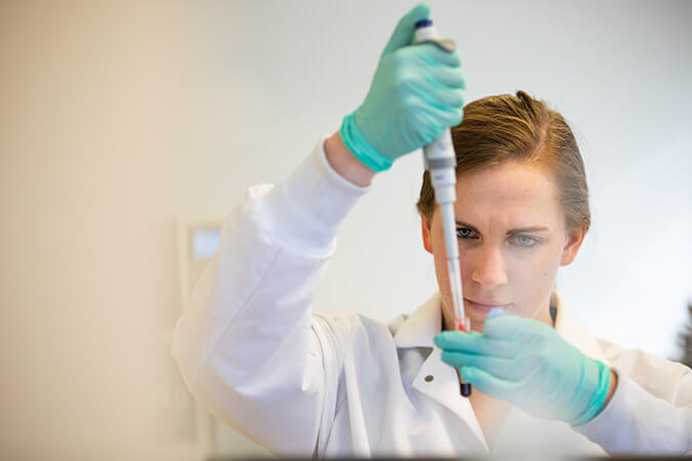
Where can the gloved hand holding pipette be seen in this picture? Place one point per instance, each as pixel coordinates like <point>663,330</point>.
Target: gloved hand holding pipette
<point>416,94</point>
<point>527,363</point>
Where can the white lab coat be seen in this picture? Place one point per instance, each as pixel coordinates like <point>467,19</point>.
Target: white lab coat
<point>252,350</point>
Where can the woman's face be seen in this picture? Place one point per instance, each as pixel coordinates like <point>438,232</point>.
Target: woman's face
<point>512,239</point>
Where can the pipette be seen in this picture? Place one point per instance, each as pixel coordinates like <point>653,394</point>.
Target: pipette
<point>440,160</point>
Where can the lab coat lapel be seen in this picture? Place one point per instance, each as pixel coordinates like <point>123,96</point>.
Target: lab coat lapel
<point>439,381</point>
<point>436,379</point>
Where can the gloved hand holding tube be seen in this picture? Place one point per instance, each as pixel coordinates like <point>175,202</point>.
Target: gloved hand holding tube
<point>527,363</point>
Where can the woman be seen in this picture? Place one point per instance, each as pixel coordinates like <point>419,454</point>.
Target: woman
<point>300,383</point>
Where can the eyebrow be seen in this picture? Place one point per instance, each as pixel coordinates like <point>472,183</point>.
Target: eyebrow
<point>509,232</point>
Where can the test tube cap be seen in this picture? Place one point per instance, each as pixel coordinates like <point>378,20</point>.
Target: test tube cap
<point>423,23</point>
<point>465,389</point>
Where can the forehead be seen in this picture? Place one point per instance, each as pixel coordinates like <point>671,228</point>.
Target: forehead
<point>514,193</point>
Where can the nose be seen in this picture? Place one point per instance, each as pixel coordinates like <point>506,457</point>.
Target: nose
<point>488,268</point>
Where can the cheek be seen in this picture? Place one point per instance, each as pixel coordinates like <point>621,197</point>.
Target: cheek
<point>439,252</point>
<point>440,258</point>
<point>533,277</point>
<point>440,267</point>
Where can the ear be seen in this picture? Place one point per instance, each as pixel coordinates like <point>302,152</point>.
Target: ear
<point>425,234</point>
<point>570,250</point>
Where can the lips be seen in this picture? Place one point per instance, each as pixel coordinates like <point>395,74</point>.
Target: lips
<point>484,307</point>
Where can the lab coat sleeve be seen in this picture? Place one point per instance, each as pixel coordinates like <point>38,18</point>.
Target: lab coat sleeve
<point>248,346</point>
<point>650,411</point>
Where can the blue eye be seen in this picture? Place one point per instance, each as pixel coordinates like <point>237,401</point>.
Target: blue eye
<point>466,233</point>
<point>524,241</point>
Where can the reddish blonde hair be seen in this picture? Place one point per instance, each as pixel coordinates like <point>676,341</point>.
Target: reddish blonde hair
<point>519,128</point>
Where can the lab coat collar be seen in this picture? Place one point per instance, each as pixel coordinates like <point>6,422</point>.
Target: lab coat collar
<point>573,332</point>
<point>425,323</point>
<point>419,328</point>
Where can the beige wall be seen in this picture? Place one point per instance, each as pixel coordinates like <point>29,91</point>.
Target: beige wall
<point>94,113</point>
<point>117,120</point>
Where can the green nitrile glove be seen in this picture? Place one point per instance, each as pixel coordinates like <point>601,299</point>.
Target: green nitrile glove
<point>416,93</point>
<point>528,364</point>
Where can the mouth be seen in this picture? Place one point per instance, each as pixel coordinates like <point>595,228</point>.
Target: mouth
<point>484,308</point>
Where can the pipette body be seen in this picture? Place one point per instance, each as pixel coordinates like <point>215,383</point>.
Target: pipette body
<point>440,160</point>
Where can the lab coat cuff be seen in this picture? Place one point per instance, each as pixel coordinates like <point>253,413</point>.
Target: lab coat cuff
<point>628,422</point>
<point>600,428</point>
<point>306,209</point>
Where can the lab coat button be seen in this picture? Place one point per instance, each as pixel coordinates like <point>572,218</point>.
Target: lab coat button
<point>429,378</point>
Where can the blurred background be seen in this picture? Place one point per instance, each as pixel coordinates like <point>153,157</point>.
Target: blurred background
<point>128,130</point>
